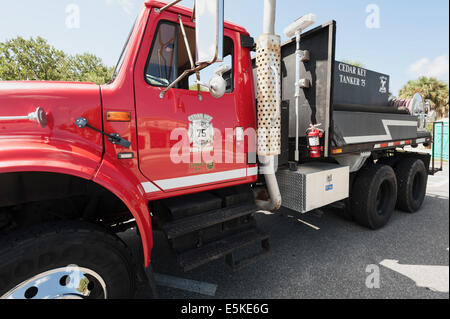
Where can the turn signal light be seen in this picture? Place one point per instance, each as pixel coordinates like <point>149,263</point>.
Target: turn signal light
<point>118,116</point>
<point>337,151</point>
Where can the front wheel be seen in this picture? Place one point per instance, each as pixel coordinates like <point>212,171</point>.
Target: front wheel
<point>374,196</point>
<point>70,260</point>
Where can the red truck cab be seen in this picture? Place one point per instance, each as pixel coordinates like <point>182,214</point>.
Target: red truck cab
<point>62,154</point>
<point>143,76</point>
<point>155,120</point>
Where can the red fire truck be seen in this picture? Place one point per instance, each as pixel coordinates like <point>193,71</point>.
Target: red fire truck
<point>163,148</point>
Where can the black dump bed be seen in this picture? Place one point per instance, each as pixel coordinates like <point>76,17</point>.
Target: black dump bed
<point>350,102</point>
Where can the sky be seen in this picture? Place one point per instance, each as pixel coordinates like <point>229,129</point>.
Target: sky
<point>405,39</point>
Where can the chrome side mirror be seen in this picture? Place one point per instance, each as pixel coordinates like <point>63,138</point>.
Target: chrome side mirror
<point>217,84</point>
<point>209,20</point>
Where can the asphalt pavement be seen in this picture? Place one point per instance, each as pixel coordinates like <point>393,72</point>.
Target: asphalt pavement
<point>323,255</point>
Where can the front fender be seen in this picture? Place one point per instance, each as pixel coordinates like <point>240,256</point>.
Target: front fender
<point>63,158</point>
<point>126,186</point>
<point>31,155</point>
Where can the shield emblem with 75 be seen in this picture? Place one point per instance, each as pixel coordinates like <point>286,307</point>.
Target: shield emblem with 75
<point>201,133</point>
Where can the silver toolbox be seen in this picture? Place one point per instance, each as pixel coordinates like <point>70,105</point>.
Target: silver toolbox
<point>314,185</point>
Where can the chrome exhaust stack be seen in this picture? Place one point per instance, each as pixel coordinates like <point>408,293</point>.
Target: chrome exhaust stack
<point>268,62</point>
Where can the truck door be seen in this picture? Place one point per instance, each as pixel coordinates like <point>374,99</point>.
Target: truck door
<point>163,123</point>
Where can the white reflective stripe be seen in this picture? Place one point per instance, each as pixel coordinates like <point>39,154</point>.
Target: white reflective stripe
<point>377,146</point>
<point>180,182</point>
<point>376,138</point>
<point>252,171</point>
<point>150,188</point>
<point>195,180</point>
<point>367,139</point>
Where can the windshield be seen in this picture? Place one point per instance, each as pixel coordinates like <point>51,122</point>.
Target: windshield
<point>122,54</point>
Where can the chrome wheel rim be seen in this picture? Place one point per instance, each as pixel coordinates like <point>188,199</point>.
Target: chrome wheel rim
<point>71,282</point>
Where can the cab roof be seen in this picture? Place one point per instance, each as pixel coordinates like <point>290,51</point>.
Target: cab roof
<point>188,12</point>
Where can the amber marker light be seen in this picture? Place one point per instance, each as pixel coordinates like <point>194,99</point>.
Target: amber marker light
<point>118,116</point>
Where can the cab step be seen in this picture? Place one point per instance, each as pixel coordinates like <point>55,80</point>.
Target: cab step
<point>203,227</point>
<point>191,224</point>
<point>226,247</point>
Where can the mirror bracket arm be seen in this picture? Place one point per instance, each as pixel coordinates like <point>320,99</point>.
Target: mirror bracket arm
<point>182,76</point>
<point>199,93</point>
<point>188,49</point>
<point>193,13</point>
<point>186,42</point>
<point>167,6</point>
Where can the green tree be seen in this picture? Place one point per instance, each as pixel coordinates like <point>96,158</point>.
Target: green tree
<point>431,89</point>
<point>88,68</point>
<point>32,59</point>
<point>354,63</point>
<point>35,59</point>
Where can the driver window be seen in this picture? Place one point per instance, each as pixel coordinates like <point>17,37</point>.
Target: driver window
<point>168,58</point>
<point>160,70</point>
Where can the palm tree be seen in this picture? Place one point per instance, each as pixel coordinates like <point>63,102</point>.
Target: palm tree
<point>431,89</point>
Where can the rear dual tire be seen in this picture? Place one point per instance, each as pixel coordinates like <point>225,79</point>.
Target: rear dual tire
<point>412,178</point>
<point>374,196</point>
<point>379,189</point>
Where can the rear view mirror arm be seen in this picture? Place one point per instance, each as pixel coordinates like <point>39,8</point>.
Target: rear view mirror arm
<point>168,6</point>
<point>186,42</point>
<point>182,76</point>
<point>188,48</point>
<point>193,69</point>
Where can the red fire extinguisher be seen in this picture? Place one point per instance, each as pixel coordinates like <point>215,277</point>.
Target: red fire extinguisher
<point>314,135</point>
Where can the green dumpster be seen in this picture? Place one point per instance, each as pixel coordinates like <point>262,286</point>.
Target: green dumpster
<point>441,139</point>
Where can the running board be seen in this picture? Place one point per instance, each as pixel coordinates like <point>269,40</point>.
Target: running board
<point>191,224</point>
<point>226,247</point>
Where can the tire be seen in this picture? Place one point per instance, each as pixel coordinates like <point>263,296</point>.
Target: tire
<point>412,178</point>
<point>374,196</point>
<point>103,263</point>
